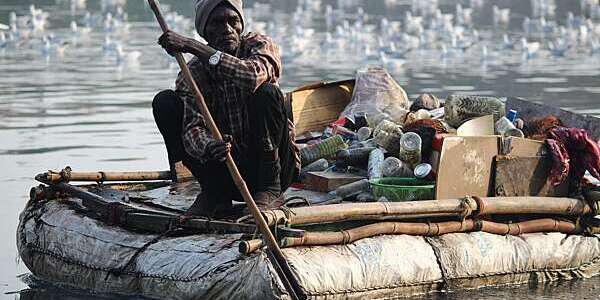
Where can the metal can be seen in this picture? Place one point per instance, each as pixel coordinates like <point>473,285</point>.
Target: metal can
<point>424,171</point>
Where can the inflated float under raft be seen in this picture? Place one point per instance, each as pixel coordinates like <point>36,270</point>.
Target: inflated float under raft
<point>62,241</point>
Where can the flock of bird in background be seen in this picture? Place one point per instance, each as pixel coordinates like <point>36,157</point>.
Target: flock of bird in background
<point>375,39</point>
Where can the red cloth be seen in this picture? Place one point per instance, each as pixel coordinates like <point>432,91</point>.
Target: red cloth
<point>572,151</point>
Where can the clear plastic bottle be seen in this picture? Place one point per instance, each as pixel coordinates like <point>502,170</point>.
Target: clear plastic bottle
<point>318,165</point>
<point>325,148</point>
<point>357,157</point>
<point>503,125</point>
<point>460,108</point>
<point>387,134</point>
<point>410,149</point>
<point>422,114</point>
<point>352,189</point>
<point>394,167</point>
<point>514,132</point>
<point>375,166</point>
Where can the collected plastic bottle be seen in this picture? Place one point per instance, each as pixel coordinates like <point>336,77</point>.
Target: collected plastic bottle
<point>503,125</point>
<point>363,133</point>
<point>366,197</point>
<point>375,165</point>
<point>394,167</point>
<point>367,143</point>
<point>410,149</point>
<point>422,114</point>
<point>387,134</point>
<point>316,166</point>
<point>325,148</point>
<point>346,133</point>
<point>352,189</point>
<point>459,108</point>
<point>516,132</point>
<point>357,157</point>
<point>437,113</point>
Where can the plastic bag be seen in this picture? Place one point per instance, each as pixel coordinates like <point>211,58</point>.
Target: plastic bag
<point>378,95</point>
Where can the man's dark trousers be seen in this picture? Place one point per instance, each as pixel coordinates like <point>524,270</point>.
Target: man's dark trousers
<point>268,122</point>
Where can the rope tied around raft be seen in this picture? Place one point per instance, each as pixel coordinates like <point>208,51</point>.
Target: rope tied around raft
<point>477,225</point>
<point>480,205</point>
<point>346,237</point>
<point>53,177</point>
<point>65,174</point>
<point>429,231</point>
<point>288,212</point>
<point>102,177</point>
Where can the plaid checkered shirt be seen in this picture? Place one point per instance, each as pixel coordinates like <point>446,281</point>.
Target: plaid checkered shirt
<point>226,88</point>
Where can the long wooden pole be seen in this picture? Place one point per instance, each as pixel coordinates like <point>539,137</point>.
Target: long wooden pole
<point>428,208</point>
<point>430,229</point>
<point>323,238</point>
<point>101,176</point>
<point>280,261</point>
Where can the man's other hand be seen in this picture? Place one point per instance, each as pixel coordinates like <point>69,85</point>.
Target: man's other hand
<point>218,150</point>
<point>174,43</point>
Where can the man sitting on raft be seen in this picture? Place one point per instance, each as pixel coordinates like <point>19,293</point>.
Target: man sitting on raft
<point>238,76</point>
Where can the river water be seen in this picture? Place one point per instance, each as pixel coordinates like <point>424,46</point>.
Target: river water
<point>76,101</point>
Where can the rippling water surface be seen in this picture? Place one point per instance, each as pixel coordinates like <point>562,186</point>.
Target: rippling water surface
<point>88,107</point>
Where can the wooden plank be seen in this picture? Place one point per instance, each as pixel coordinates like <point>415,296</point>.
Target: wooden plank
<point>529,110</point>
<point>312,116</point>
<point>465,167</point>
<point>524,147</point>
<point>319,104</point>
<point>328,181</point>
<point>525,176</point>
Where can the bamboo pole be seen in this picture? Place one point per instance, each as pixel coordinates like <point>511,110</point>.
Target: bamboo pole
<point>430,229</point>
<point>247,247</point>
<point>370,211</point>
<point>66,175</point>
<point>459,208</point>
<point>324,238</point>
<point>279,262</point>
<point>533,205</point>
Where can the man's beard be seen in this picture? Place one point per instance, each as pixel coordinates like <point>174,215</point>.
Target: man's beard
<point>228,47</point>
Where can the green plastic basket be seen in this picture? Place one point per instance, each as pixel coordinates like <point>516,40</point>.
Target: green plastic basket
<point>402,189</point>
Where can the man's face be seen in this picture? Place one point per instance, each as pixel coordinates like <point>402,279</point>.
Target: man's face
<point>223,29</point>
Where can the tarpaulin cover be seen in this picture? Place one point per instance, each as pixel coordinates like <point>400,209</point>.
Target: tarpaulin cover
<point>60,245</point>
